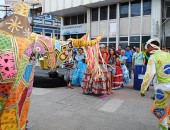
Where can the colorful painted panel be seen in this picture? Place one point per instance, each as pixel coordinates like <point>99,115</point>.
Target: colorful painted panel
<point>8,69</point>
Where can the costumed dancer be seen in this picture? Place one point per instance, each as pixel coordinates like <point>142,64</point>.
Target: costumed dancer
<point>16,68</point>
<point>96,76</point>
<point>159,65</point>
<point>81,66</point>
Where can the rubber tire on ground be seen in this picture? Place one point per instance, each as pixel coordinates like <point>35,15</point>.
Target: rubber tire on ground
<point>47,82</point>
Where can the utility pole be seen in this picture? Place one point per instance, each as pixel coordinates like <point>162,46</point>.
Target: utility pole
<point>6,9</point>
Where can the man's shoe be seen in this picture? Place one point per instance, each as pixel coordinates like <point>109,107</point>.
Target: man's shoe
<point>153,98</point>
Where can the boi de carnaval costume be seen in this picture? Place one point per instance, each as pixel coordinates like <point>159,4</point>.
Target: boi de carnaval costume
<point>17,72</point>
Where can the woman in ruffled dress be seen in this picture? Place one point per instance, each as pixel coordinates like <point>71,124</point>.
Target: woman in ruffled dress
<point>81,67</point>
<point>125,71</point>
<point>117,80</point>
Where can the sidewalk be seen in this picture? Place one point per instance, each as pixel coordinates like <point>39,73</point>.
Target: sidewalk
<point>66,109</point>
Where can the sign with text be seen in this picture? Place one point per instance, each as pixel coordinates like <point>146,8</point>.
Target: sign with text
<point>74,29</point>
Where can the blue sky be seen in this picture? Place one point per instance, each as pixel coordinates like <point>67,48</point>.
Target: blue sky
<point>2,13</point>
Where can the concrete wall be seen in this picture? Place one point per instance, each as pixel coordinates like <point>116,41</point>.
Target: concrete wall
<point>124,23</point>
<point>167,28</point>
<point>146,27</point>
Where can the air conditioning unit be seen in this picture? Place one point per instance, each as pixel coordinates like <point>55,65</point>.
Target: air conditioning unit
<point>168,12</point>
<point>168,42</point>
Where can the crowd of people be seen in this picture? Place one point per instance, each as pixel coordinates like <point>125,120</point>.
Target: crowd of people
<point>116,68</point>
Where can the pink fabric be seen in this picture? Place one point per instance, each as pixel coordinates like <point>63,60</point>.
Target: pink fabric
<point>7,66</point>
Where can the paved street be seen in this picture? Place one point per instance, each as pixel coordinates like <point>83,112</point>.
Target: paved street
<point>66,109</point>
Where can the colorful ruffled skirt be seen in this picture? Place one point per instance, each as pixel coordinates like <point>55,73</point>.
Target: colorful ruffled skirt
<point>78,74</point>
<point>91,84</point>
<point>118,79</point>
<point>125,72</point>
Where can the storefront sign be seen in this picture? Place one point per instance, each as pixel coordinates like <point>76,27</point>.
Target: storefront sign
<point>74,29</point>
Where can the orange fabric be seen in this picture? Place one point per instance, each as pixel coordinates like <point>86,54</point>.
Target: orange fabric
<point>22,46</point>
<point>24,113</point>
<point>167,110</point>
<point>8,120</point>
<point>15,95</point>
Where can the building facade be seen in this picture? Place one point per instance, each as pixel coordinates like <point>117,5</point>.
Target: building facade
<point>47,25</point>
<point>125,22</point>
<point>41,23</point>
<point>166,23</point>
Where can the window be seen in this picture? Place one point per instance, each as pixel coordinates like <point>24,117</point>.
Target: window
<point>112,12</point>
<point>146,7</point>
<point>73,20</point>
<point>67,21</point>
<point>124,10</point>
<point>80,35</point>
<point>81,19</point>
<point>48,34</point>
<point>74,36</point>
<point>133,45</point>
<point>123,42</point>
<point>67,37</point>
<point>112,42</point>
<point>135,8</point>
<point>123,38</point>
<point>167,42</point>
<point>112,39</point>
<point>85,18</point>
<point>168,12</point>
<point>134,41</point>
<point>104,41</point>
<point>57,36</point>
<point>103,13</point>
<point>144,40</point>
<point>95,14</point>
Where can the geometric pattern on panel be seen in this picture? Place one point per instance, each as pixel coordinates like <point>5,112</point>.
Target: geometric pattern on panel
<point>8,69</point>
<point>5,42</point>
<point>27,73</point>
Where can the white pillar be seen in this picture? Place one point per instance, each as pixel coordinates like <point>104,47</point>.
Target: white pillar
<point>129,24</point>
<point>108,24</point>
<point>89,22</point>
<point>156,21</point>
<point>62,23</point>
<point>118,25</point>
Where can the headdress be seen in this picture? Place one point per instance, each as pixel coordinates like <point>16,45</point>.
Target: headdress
<point>21,8</point>
<point>149,42</point>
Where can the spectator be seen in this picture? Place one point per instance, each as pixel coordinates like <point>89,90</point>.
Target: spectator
<point>119,50</point>
<point>125,71</point>
<point>111,69</point>
<point>129,55</point>
<point>138,58</point>
<point>117,80</point>
<point>147,55</point>
<point>68,65</point>
<point>81,66</point>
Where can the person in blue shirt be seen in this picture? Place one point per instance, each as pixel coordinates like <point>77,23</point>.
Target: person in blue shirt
<point>129,54</point>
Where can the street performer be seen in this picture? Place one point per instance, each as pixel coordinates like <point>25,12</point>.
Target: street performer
<point>159,65</point>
